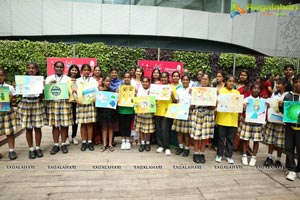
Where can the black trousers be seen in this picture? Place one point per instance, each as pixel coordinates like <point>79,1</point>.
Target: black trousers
<point>225,133</point>
<point>163,126</point>
<point>125,124</point>
<point>74,126</point>
<point>292,141</point>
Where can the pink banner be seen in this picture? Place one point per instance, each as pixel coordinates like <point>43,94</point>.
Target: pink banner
<point>68,62</point>
<point>150,65</point>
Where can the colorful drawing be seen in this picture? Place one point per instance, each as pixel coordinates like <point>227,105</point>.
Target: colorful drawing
<point>87,92</point>
<point>56,91</point>
<point>291,112</point>
<point>256,111</point>
<point>4,99</point>
<point>29,84</point>
<point>178,111</point>
<point>230,103</point>
<point>274,115</point>
<point>126,95</point>
<point>73,91</point>
<point>144,104</point>
<point>204,96</point>
<point>107,99</point>
<point>161,92</point>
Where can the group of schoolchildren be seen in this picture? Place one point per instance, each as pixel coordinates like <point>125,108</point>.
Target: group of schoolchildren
<point>204,122</point>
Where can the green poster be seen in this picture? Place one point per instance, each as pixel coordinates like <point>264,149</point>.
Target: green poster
<point>56,91</point>
<point>291,112</point>
<point>145,104</point>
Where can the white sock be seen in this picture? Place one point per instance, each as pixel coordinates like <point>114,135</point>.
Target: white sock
<point>244,155</point>
<point>181,146</point>
<point>147,142</point>
<point>269,155</point>
<point>197,153</point>
<point>37,148</point>
<point>127,141</point>
<point>56,144</point>
<point>187,148</point>
<point>31,149</point>
<point>89,141</point>
<point>143,142</point>
<point>62,144</point>
<point>123,140</point>
<point>202,153</point>
<point>254,157</point>
<point>83,141</point>
<point>278,158</point>
<point>10,150</point>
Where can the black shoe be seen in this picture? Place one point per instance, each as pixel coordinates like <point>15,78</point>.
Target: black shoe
<point>91,146</point>
<point>64,149</point>
<point>142,148</point>
<point>268,162</point>
<point>39,153</point>
<point>12,155</point>
<point>179,151</point>
<point>196,158</point>
<point>54,150</point>
<point>32,154</point>
<point>277,164</point>
<point>83,146</point>
<point>148,147</point>
<point>1,156</point>
<point>202,158</point>
<point>186,153</point>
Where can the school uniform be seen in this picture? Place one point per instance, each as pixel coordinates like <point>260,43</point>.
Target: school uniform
<point>106,115</point>
<point>203,122</point>
<point>59,112</point>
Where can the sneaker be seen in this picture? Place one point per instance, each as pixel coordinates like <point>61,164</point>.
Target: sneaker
<point>245,160</point>
<point>268,162</point>
<point>291,176</point>
<point>64,149</point>
<point>127,146</point>
<point>196,158</point>
<point>75,141</point>
<point>91,146</point>
<point>32,154</point>
<point>230,160</point>
<point>168,152</point>
<point>148,147</point>
<point>252,162</point>
<point>218,159</point>
<point>179,151</point>
<point>54,150</point>
<point>186,153</point>
<point>39,153</point>
<point>67,142</point>
<point>123,145</point>
<point>159,150</point>
<point>83,146</point>
<point>277,164</point>
<point>142,148</point>
<point>202,158</point>
<point>12,155</point>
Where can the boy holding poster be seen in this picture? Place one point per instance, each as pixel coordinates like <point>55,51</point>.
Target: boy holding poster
<point>59,112</point>
<point>227,123</point>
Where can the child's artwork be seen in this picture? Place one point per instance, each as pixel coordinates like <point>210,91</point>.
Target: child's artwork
<point>106,99</point>
<point>274,115</point>
<point>4,99</point>
<point>83,92</point>
<point>161,92</point>
<point>29,84</point>
<point>178,111</point>
<point>56,91</point>
<point>256,111</point>
<point>230,103</point>
<point>126,95</point>
<point>145,104</point>
<point>291,111</point>
<point>204,96</point>
<point>73,88</point>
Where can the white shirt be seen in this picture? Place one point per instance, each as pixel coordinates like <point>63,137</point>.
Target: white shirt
<point>183,95</point>
<point>11,88</point>
<point>88,80</point>
<point>61,79</point>
<point>142,92</point>
<point>136,85</point>
<point>246,100</point>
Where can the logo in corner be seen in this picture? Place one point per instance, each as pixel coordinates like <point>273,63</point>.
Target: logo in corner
<point>236,9</point>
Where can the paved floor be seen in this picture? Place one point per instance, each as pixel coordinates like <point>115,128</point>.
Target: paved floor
<point>134,175</point>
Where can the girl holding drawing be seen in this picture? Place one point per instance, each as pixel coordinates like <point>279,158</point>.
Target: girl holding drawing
<point>8,119</point>
<point>251,131</point>
<point>183,127</point>
<point>106,117</point>
<point>275,132</point>
<point>163,124</point>
<point>86,113</point>
<point>31,115</point>
<point>73,73</point>
<point>144,122</point>
<point>126,115</point>
<point>227,123</point>
<point>59,112</point>
<point>202,126</point>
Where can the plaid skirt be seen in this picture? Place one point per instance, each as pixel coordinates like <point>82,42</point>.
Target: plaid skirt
<point>144,123</point>
<point>85,113</point>
<point>182,126</point>
<point>203,123</point>
<point>59,113</point>
<point>31,114</point>
<point>251,131</point>
<point>7,123</point>
<point>275,134</point>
